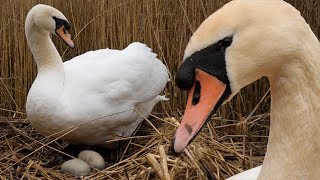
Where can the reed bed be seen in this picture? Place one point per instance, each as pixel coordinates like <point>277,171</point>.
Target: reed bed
<point>234,140</point>
<point>165,26</point>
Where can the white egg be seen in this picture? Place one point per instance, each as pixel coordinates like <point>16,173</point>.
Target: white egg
<point>76,167</point>
<point>92,158</point>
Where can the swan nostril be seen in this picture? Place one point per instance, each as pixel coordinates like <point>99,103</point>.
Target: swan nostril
<point>196,93</point>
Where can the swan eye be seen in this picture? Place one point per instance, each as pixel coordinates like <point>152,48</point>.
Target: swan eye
<point>224,43</point>
<point>61,22</point>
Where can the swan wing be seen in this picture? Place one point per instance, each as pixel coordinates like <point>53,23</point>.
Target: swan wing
<point>133,74</point>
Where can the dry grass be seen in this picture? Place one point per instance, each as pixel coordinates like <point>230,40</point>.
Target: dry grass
<point>226,145</point>
<point>165,26</point>
<point>213,154</point>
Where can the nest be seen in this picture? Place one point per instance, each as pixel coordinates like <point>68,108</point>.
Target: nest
<point>214,154</point>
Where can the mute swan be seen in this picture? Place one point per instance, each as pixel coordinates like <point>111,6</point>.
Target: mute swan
<point>239,44</point>
<point>90,86</point>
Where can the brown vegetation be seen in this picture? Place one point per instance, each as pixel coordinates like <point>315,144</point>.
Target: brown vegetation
<point>225,147</point>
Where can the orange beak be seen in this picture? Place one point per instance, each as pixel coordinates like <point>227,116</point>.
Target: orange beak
<point>65,36</point>
<point>202,99</point>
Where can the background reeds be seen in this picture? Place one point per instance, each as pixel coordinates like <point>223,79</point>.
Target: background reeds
<point>238,139</point>
<point>165,26</point>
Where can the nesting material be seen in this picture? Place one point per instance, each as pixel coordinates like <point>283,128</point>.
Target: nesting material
<point>220,150</point>
<point>155,165</point>
<point>93,158</point>
<point>163,162</point>
<point>76,167</point>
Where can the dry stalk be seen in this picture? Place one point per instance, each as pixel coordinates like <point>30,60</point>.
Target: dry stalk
<point>181,163</point>
<point>163,162</point>
<point>155,165</point>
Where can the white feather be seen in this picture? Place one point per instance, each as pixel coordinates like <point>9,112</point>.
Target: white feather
<point>104,85</point>
<point>251,174</point>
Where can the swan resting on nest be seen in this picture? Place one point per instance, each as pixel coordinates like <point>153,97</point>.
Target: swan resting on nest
<point>97,92</point>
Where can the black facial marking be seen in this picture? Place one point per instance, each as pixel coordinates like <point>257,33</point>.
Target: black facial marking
<point>61,22</point>
<point>185,75</point>
<point>210,60</point>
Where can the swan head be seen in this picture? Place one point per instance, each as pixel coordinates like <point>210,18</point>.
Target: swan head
<point>238,44</point>
<point>51,20</point>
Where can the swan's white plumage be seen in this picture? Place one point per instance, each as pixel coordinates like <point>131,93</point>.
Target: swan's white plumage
<point>251,174</point>
<point>91,86</point>
<point>272,39</point>
<point>131,75</point>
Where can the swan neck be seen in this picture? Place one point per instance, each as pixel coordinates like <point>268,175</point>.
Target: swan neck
<point>293,147</point>
<point>44,52</point>
<point>49,84</point>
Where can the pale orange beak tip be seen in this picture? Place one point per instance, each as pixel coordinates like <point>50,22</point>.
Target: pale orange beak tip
<point>179,144</point>
<point>65,36</point>
<point>195,116</point>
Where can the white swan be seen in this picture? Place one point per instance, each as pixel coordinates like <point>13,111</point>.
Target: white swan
<point>90,86</point>
<point>239,44</point>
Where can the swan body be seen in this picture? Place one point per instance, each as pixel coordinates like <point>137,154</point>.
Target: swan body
<point>105,85</point>
<point>251,174</point>
<point>240,43</point>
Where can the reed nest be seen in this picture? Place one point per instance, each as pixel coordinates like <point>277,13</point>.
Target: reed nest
<point>219,151</point>
<point>224,147</point>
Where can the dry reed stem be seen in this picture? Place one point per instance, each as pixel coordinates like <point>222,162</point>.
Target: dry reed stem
<point>256,107</point>
<point>176,161</point>
<point>72,128</point>
<point>173,171</point>
<point>166,27</point>
<point>155,165</point>
<point>42,146</point>
<point>163,162</point>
